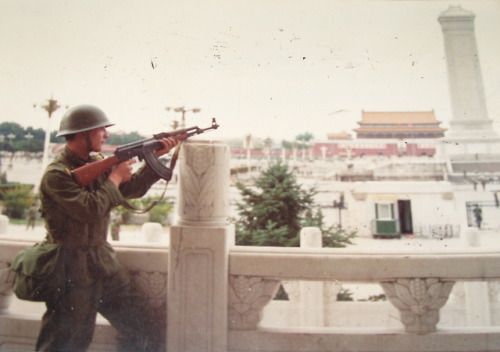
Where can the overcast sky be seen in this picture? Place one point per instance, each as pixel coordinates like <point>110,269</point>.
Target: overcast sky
<point>270,68</point>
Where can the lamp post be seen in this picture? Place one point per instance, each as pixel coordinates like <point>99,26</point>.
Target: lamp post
<point>248,142</point>
<point>340,205</point>
<point>183,111</point>
<point>51,106</point>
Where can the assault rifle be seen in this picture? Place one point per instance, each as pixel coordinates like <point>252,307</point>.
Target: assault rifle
<point>143,149</point>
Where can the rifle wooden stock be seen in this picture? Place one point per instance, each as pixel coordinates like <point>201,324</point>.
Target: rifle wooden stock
<point>144,149</point>
<point>89,172</point>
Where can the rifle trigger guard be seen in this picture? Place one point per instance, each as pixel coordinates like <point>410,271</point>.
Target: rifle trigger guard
<point>155,164</point>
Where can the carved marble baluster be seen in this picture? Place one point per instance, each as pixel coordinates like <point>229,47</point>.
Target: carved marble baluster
<point>204,183</point>
<point>248,295</point>
<point>292,289</point>
<point>419,301</point>
<point>154,286</point>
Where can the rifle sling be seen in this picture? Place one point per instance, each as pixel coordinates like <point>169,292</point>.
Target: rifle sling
<point>173,161</point>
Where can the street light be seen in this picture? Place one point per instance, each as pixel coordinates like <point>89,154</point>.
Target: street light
<point>340,205</point>
<point>183,111</point>
<point>51,106</point>
<point>248,143</point>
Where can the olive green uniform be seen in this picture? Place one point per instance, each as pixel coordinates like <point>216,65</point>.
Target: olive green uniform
<point>96,282</point>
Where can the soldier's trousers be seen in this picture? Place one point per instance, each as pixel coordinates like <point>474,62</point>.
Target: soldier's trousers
<point>68,324</point>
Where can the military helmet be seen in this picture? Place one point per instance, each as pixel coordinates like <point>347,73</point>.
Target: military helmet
<point>82,118</point>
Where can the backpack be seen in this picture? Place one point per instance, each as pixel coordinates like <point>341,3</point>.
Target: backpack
<point>39,277</point>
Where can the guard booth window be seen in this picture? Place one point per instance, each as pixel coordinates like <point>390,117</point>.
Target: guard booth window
<point>385,225</point>
<point>384,211</point>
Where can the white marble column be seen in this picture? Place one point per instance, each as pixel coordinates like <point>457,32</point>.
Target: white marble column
<point>199,246</point>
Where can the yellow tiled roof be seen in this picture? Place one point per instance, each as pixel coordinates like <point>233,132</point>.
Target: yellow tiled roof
<point>398,117</point>
<point>400,129</point>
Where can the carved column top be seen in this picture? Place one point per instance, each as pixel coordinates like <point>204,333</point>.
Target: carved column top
<point>204,183</point>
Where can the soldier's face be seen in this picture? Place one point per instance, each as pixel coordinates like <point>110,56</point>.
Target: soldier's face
<point>97,138</point>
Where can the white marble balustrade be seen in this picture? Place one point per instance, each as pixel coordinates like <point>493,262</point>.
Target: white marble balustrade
<point>216,291</point>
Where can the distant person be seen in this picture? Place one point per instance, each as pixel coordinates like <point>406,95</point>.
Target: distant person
<point>115,228</point>
<point>31,217</point>
<point>77,219</point>
<point>478,215</point>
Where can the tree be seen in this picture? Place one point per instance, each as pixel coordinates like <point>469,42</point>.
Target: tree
<point>11,127</point>
<point>36,140</point>
<point>333,236</point>
<point>21,142</point>
<point>8,129</point>
<point>16,198</point>
<point>287,145</point>
<point>304,137</point>
<point>159,213</point>
<point>271,213</point>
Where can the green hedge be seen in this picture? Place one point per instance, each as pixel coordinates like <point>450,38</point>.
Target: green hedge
<point>16,198</point>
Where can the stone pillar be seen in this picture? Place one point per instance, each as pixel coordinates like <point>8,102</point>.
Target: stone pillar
<point>4,223</point>
<point>311,292</point>
<point>199,246</point>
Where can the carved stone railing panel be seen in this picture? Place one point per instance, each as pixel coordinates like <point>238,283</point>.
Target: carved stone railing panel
<point>248,295</point>
<point>419,301</point>
<point>6,281</point>
<point>457,295</point>
<point>292,289</point>
<point>331,290</point>
<point>154,286</point>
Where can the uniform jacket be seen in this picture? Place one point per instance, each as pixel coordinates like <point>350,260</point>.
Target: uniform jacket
<point>77,218</point>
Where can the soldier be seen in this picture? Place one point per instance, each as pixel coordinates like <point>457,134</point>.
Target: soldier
<point>31,217</point>
<point>115,227</point>
<point>77,219</point>
<point>478,215</point>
